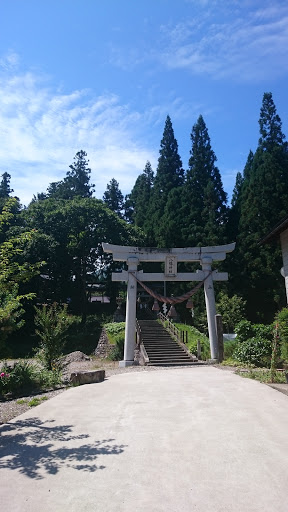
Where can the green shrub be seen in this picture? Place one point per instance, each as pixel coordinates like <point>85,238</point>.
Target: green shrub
<point>254,343</point>
<point>4,380</point>
<point>46,379</point>
<point>117,352</point>
<point>254,351</point>
<point>282,321</point>
<point>229,348</point>
<point>53,323</point>
<point>114,329</point>
<point>21,377</point>
<point>25,377</point>
<point>244,331</point>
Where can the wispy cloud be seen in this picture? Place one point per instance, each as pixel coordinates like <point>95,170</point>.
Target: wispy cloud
<point>41,129</point>
<point>246,45</point>
<point>9,61</point>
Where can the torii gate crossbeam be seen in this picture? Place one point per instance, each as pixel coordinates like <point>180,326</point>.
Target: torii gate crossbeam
<point>134,255</point>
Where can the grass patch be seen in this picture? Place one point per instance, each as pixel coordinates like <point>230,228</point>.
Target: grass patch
<point>263,375</point>
<point>33,402</point>
<point>37,401</point>
<point>233,362</point>
<point>193,336</point>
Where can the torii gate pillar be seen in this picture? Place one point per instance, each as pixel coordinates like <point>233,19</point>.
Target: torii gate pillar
<point>130,328</point>
<point>210,306</point>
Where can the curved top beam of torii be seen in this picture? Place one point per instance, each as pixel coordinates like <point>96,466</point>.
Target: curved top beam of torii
<point>123,252</point>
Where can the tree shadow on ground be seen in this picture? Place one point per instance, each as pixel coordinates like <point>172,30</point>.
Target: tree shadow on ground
<point>31,447</point>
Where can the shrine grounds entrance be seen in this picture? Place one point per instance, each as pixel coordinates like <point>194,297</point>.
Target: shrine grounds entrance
<point>135,255</point>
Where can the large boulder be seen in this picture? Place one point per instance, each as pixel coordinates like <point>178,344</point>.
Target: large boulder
<point>88,377</point>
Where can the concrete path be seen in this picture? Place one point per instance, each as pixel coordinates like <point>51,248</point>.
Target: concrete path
<point>195,439</point>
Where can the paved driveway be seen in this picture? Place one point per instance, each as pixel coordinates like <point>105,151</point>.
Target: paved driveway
<point>191,439</point>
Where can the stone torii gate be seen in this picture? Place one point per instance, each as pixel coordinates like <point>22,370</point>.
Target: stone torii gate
<point>134,255</point>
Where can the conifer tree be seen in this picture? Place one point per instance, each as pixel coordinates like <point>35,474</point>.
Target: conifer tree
<point>77,180</point>
<point>204,197</point>
<point>169,176</point>
<point>5,190</point>
<point>113,197</point>
<point>248,166</point>
<point>137,202</point>
<point>234,212</point>
<point>264,201</point>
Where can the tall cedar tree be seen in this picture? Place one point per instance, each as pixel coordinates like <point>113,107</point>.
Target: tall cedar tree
<point>77,180</point>
<point>204,197</point>
<point>5,190</point>
<point>137,203</point>
<point>263,203</point>
<point>169,176</point>
<point>113,197</point>
<point>235,211</point>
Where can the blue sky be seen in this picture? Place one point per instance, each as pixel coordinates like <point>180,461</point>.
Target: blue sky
<point>103,75</point>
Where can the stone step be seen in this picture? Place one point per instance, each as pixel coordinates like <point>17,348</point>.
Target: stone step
<point>168,351</point>
<point>161,348</point>
<point>181,363</point>
<point>164,350</point>
<point>161,344</point>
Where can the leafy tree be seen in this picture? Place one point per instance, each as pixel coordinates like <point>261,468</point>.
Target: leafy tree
<point>14,270</point>
<point>204,198</point>
<point>77,180</point>
<point>232,310</point>
<point>113,197</point>
<point>75,230</point>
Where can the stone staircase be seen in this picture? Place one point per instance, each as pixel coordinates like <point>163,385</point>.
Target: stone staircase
<point>161,348</point>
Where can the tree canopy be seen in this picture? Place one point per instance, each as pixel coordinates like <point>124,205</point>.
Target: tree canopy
<point>77,180</point>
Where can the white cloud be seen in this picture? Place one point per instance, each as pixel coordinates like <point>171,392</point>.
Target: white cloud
<point>247,44</point>
<point>41,130</point>
<point>9,61</point>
